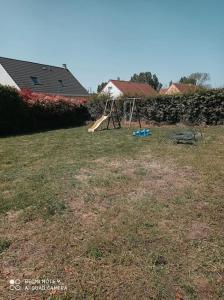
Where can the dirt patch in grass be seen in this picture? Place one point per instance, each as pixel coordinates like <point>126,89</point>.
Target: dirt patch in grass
<point>198,231</point>
<point>116,183</point>
<point>83,175</point>
<point>162,179</point>
<point>203,286</point>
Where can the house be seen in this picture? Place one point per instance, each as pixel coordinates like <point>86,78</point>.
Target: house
<point>163,91</point>
<point>179,88</point>
<point>118,88</point>
<point>39,78</point>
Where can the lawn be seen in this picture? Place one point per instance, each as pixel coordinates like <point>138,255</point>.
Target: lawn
<point>112,216</point>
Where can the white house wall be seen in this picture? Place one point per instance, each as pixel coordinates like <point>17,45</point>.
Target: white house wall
<point>111,89</point>
<point>6,79</point>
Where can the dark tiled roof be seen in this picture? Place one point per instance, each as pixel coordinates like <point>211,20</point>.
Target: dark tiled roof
<point>134,88</point>
<point>49,77</point>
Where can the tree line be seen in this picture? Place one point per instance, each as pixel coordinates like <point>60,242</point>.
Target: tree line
<point>197,78</point>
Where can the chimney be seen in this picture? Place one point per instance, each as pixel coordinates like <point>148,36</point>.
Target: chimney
<point>64,66</point>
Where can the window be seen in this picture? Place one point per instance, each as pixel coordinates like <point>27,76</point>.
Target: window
<point>61,82</point>
<point>35,80</point>
<point>110,90</point>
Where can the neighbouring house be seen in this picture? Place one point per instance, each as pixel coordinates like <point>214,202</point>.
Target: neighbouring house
<point>178,88</point>
<point>118,88</point>
<point>40,78</point>
<point>163,91</point>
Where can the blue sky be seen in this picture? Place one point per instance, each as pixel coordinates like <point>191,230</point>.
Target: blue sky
<point>104,39</point>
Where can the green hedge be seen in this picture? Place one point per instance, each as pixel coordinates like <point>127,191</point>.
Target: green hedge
<point>23,112</point>
<point>26,111</point>
<point>13,111</point>
<point>204,107</point>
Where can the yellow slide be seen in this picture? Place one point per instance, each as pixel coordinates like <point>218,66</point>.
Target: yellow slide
<point>97,123</point>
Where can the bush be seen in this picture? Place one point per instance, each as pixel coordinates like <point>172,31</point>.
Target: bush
<point>13,112</point>
<point>27,111</point>
<point>49,111</point>
<point>201,107</point>
<point>96,105</point>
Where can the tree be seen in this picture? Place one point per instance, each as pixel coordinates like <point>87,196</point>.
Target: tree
<point>170,83</point>
<point>200,78</point>
<point>101,86</point>
<point>187,80</point>
<point>197,78</point>
<point>147,77</point>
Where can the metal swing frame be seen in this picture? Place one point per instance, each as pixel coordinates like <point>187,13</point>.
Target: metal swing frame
<point>132,102</point>
<point>111,110</point>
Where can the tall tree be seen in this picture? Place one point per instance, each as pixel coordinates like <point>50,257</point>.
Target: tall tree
<point>187,80</point>
<point>197,78</point>
<point>200,78</point>
<point>147,77</point>
<point>101,86</point>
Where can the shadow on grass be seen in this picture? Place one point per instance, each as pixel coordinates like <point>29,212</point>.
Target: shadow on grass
<point>39,130</point>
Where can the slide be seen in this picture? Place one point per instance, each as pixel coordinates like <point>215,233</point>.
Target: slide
<point>97,123</point>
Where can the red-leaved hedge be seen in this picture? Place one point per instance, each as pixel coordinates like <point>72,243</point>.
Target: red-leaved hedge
<point>46,100</point>
<point>27,111</point>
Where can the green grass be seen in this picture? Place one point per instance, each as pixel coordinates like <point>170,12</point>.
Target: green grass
<point>114,216</point>
<point>4,245</point>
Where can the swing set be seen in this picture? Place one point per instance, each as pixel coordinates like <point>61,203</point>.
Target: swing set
<point>111,114</point>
